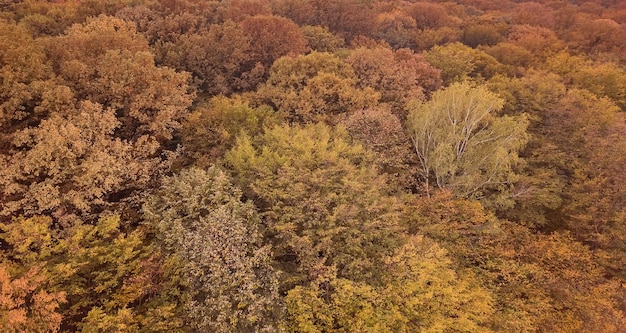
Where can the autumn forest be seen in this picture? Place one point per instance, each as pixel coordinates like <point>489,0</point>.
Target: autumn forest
<point>313,166</point>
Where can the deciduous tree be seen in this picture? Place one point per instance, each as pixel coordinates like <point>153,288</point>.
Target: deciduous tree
<point>199,217</point>
<point>381,131</point>
<point>398,76</point>
<point>460,142</point>
<point>323,203</point>
<point>422,293</point>
<point>315,87</point>
<point>459,62</point>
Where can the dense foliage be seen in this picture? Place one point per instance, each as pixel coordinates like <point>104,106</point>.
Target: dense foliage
<point>312,166</point>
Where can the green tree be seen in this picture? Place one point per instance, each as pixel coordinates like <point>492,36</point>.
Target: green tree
<point>321,200</point>
<point>231,285</point>
<point>460,142</point>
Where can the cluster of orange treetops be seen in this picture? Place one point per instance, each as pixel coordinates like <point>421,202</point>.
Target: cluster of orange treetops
<point>312,166</point>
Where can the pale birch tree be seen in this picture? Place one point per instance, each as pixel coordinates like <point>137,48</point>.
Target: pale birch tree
<point>461,142</point>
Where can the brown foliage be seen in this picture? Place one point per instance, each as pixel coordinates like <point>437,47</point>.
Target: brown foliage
<point>381,131</point>
<point>272,37</point>
<point>399,75</point>
<point>430,15</point>
<point>214,56</point>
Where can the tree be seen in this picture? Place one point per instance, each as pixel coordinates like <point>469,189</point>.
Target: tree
<point>212,128</point>
<point>533,13</point>
<point>461,144</point>
<point>539,193</point>
<point>215,56</point>
<point>539,282</point>
<point>97,135</point>
<point>85,268</point>
<point>315,87</point>
<point>25,304</point>
<point>430,15</point>
<point>271,37</point>
<point>323,203</point>
<point>541,42</point>
<point>459,62</point>
<point>238,10</point>
<point>106,61</point>
<point>512,55</point>
<point>421,294</point>
<point>481,34</point>
<point>429,38</point>
<point>396,28</point>
<point>602,78</point>
<point>398,76</point>
<point>320,39</point>
<point>588,132</point>
<point>73,165</point>
<point>231,285</point>
<point>347,18</point>
<point>381,131</point>
<point>598,36</point>
<point>25,77</point>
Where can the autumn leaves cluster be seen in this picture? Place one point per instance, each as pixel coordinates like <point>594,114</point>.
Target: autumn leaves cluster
<point>312,166</point>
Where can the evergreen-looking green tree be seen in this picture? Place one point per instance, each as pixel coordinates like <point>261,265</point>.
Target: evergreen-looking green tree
<point>462,144</point>
<point>422,293</point>
<point>323,203</point>
<point>314,87</point>
<point>231,285</point>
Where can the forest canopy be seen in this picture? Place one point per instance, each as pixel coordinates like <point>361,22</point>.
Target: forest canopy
<point>312,166</point>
